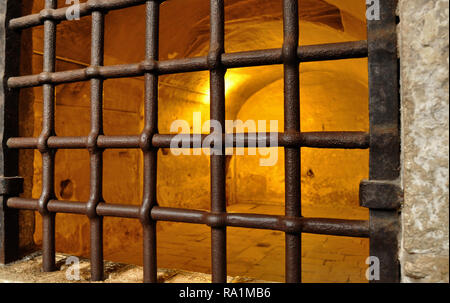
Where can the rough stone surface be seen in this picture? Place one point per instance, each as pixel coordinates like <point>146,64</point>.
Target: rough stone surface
<point>423,37</point>
<point>28,270</point>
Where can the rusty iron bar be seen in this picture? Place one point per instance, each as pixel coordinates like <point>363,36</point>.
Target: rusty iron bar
<point>384,157</point>
<point>48,154</point>
<point>292,124</point>
<point>145,142</point>
<point>293,225</point>
<point>217,157</point>
<point>346,140</point>
<point>309,53</point>
<point>96,153</point>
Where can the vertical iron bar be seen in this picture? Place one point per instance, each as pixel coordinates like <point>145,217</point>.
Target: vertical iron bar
<point>9,126</point>
<point>48,155</point>
<point>96,154</point>
<point>384,135</point>
<point>150,153</point>
<point>292,124</point>
<point>217,158</point>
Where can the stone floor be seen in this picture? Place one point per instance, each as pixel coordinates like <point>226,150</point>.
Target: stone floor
<point>28,270</point>
<point>260,253</point>
<point>253,255</point>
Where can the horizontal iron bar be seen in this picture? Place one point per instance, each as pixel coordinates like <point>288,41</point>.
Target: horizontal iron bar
<point>346,140</point>
<point>320,52</point>
<point>60,13</point>
<point>294,225</point>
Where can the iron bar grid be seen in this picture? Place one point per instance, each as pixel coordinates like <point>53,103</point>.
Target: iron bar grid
<point>149,141</point>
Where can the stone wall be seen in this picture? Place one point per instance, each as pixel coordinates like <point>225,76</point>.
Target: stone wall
<point>423,37</point>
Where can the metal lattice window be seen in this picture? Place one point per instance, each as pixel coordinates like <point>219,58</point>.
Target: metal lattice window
<point>380,193</point>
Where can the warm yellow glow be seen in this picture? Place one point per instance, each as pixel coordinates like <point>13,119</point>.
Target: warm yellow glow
<point>232,81</point>
<point>207,96</point>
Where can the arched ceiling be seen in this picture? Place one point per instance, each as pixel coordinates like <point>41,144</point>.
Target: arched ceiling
<point>184,32</point>
<point>184,27</point>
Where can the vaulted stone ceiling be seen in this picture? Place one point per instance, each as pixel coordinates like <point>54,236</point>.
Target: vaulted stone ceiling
<point>184,32</point>
<point>184,28</point>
